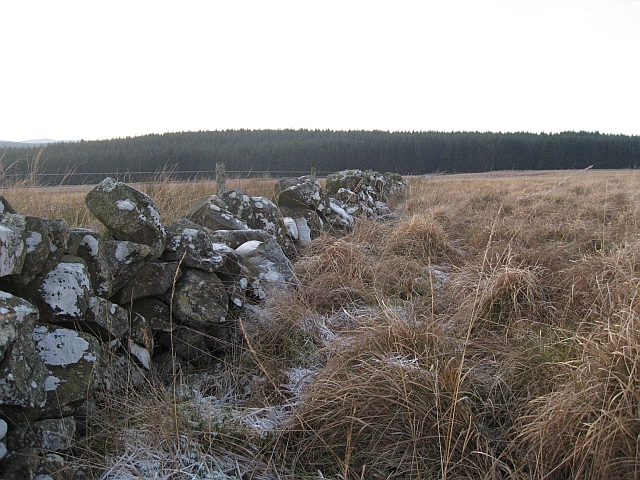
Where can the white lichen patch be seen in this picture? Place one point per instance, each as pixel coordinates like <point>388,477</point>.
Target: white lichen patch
<point>51,383</point>
<point>61,347</point>
<point>125,205</point>
<point>108,185</point>
<point>304,232</point>
<point>292,227</point>
<point>33,241</point>
<point>122,253</point>
<point>248,247</point>
<point>64,286</point>
<point>91,243</point>
<point>141,353</point>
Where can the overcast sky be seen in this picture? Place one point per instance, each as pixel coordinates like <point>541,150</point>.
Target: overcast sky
<point>102,69</point>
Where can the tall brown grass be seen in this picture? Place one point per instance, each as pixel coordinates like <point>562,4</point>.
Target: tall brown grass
<point>490,331</point>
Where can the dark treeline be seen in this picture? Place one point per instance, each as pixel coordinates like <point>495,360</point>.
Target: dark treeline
<point>329,151</point>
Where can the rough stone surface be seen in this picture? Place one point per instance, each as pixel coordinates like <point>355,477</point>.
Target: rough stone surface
<point>104,320</point>
<point>200,299</point>
<point>55,434</point>
<point>90,249</point>
<point>268,266</point>
<point>129,214</point>
<point>191,244</point>
<point>12,247</point>
<point>152,278</point>
<point>5,206</point>
<point>123,259</point>
<point>72,359</point>
<point>37,248</point>
<point>156,313</point>
<point>212,213</point>
<point>298,192</point>
<point>64,291</point>
<point>22,374</point>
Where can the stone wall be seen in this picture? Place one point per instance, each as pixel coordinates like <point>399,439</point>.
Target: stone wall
<point>75,302</point>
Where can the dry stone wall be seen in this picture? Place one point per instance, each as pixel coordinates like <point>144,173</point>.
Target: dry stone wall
<point>75,302</point>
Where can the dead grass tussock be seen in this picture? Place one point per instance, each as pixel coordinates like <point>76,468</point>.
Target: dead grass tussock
<point>390,403</point>
<point>596,436</point>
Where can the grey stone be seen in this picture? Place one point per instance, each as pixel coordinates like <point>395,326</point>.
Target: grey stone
<point>104,320</point>
<point>123,259</point>
<point>268,267</point>
<point>298,192</point>
<point>55,434</point>
<point>5,206</point>
<point>73,361</point>
<point>152,278</point>
<point>200,299</point>
<point>156,313</point>
<point>64,291</point>
<point>212,213</point>
<point>22,373</point>
<point>239,204</point>
<point>89,248</point>
<point>191,244</point>
<point>12,247</point>
<point>37,242</point>
<point>129,214</point>
<point>58,238</point>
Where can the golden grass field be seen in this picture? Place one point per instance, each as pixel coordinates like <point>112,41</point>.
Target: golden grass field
<point>491,331</point>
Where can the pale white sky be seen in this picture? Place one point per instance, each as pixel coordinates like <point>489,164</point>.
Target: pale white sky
<point>105,69</point>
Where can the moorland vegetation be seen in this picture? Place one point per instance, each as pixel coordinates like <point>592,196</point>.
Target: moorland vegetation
<point>489,331</point>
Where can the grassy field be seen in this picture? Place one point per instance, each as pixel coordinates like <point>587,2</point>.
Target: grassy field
<point>491,331</point>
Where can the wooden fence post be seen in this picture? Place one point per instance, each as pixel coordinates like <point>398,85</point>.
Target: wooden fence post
<point>221,179</point>
<point>313,174</point>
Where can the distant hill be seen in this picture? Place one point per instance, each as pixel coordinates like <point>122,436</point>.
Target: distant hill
<point>40,140</point>
<point>29,143</point>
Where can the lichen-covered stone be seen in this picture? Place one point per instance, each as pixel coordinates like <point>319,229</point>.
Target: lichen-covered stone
<point>129,214</point>
<point>87,245</point>
<point>37,248</point>
<point>239,204</point>
<point>299,192</point>
<point>200,299</point>
<point>72,359</point>
<point>5,206</point>
<point>268,266</point>
<point>64,291</point>
<point>345,179</point>
<point>104,320</point>
<point>192,246</point>
<point>58,238</point>
<point>152,278</point>
<point>22,373</point>
<point>49,435</point>
<point>156,313</point>
<point>12,247</point>
<point>123,260</point>
<point>213,214</point>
